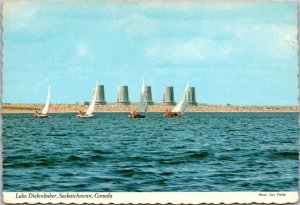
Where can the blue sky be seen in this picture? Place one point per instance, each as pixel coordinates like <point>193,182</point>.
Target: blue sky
<point>242,53</point>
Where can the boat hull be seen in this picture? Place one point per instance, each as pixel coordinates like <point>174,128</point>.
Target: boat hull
<point>173,114</point>
<point>85,116</point>
<point>138,115</point>
<point>41,116</point>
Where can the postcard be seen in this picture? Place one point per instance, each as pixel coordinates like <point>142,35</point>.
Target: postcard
<point>110,101</point>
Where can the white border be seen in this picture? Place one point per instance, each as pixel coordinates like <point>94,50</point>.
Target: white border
<point>150,197</point>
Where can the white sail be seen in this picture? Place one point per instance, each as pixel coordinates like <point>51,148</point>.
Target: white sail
<point>46,107</point>
<point>91,108</point>
<point>181,106</point>
<point>143,104</point>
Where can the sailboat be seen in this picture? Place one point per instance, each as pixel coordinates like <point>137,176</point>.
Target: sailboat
<point>46,107</point>
<point>180,107</point>
<point>142,106</point>
<point>90,110</point>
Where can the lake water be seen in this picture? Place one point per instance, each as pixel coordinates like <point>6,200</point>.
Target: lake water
<point>198,152</point>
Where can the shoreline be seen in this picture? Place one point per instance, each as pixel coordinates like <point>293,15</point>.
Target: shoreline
<point>74,108</point>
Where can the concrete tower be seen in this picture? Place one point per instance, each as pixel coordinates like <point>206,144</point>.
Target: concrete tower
<point>169,96</point>
<point>123,97</point>
<point>148,95</point>
<point>191,96</point>
<point>100,96</point>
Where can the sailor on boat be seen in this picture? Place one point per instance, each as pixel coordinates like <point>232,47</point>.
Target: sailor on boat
<point>81,114</point>
<point>169,113</point>
<point>36,115</point>
<point>132,114</point>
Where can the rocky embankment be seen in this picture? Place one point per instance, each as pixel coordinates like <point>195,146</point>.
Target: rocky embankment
<point>62,108</point>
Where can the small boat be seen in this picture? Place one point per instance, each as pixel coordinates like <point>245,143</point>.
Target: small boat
<point>180,107</point>
<point>137,115</point>
<point>172,114</point>
<point>45,109</point>
<point>142,106</point>
<point>90,110</point>
<point>85,115</point>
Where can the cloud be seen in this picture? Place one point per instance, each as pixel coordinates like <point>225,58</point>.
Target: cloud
<point>177,51</point>
<point>274,41</point>
<point>139,24</point>
<point>18,15</point>
<point>81,49</point>
<point>291,39</point>
<point>194,50</point>
<point>244,44</point>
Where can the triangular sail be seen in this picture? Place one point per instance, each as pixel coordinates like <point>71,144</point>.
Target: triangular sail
<point>181,106</point>
<point>46,107</point>
<point>91,108</point>
<point>143,104</point>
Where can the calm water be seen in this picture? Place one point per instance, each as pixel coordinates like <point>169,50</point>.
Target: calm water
<point>199,152</point>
